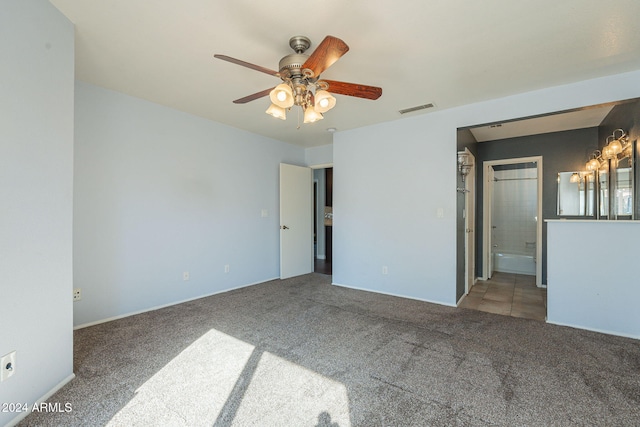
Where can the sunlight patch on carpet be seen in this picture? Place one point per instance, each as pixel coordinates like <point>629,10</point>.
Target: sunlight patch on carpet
<point>284,393</point>
<point>193,387</point>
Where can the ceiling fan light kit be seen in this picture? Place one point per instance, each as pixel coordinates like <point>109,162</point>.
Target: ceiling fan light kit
<point>277,112</point>
<point>301,84</point>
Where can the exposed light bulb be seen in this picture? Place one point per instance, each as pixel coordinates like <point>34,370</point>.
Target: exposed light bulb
<point>282,95</point>
<point>324,102</point>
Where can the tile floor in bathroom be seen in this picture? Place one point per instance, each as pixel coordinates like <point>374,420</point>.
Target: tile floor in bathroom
<point>508,294</point>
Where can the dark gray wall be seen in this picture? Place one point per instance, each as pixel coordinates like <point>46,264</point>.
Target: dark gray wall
<point>465,140</point>
<point>560,151</point>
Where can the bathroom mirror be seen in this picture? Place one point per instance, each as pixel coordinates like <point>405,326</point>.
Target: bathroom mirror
<point>617,186</point>
<point>603,193</point>
<point>576,193</point>
<point>623,196</point>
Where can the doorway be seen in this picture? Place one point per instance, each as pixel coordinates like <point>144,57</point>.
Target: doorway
<point>323,220</point>
<point>512,217</point>
<point>465,224</point>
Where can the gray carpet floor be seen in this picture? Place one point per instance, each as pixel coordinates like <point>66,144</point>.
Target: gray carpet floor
<point>302,352</point>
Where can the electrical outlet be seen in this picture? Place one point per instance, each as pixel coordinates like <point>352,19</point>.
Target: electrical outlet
<point>385,269</point>
<point>77,294</point>
<point>7,366</point>
<point>185,275</point>
<point>226,268</point>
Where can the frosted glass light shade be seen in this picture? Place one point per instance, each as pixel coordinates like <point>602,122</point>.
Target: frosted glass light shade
<point>593,165</point>
<point>324,101</point>
<point>282,96</point>
<point>277,112</point>
<point>310,115</point>
<point>616,146</point>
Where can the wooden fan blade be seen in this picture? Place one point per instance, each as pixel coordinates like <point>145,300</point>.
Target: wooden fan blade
<point>353,89</point>
<point>252,97</point>
<point>247,64</point>
<point>327,52</point>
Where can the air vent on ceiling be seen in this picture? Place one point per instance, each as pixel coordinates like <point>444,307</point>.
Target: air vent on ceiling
<point>499,125</point>
<point>419,107</point>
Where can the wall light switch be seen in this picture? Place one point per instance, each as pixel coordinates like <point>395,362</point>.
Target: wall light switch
<point>185,275</point>
<point>440,213</point>
<point>264,213</point>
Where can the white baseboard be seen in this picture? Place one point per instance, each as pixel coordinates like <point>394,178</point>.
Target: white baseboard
<point>601,331</point>
<point>46,396</point>
<point>158,307</point>
<point>394,295</point>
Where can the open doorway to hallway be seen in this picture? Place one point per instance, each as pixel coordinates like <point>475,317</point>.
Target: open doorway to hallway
<point>323,220</point>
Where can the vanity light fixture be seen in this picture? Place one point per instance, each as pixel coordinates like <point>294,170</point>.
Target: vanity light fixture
<point>615,148</point>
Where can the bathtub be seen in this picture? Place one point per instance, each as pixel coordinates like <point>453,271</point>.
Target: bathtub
<point>514,263</point>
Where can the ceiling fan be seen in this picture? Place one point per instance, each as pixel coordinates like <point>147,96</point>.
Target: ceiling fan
<point>301,84</point>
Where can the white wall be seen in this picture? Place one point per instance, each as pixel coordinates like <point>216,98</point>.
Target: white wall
<point>36,181</point>
<point>160,192</point>
<point>601,296</point>
<point>514,211</point>
<point>322,155</point>
<point>390,180</point>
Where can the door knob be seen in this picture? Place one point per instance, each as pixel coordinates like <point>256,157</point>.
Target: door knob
<point>284,227</point>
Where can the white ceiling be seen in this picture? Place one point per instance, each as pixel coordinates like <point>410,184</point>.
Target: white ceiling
<point>449,53</point>
<point>579,119</point>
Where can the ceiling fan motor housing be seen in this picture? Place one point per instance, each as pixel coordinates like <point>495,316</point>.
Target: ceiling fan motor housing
<point>291,65</point>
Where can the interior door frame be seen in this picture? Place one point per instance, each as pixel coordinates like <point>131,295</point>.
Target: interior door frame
<point>486,214</point>
<point>313,168</point>
<point>469,224</point>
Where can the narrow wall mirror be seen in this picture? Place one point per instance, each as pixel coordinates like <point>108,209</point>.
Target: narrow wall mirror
<point>576,193</point>
<point>603,193</point>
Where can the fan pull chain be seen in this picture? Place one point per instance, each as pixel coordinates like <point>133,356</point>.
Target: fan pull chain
<point>298,128</point>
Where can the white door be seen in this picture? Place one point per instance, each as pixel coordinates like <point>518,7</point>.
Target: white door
<point>296,221</point>
<point>470,220</point>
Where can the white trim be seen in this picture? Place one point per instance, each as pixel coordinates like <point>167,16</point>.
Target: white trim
<point>43,398</point>
<point>322,166</point>
<point>487,224</point>
<point>469,210</point>
<point>321,257</point>
<point>601,331</point>
<point>158,307</point>
<point>461,298</point>
<point>394,295</point>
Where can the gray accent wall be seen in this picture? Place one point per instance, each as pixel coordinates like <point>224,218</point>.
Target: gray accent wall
<point>560,151</point>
